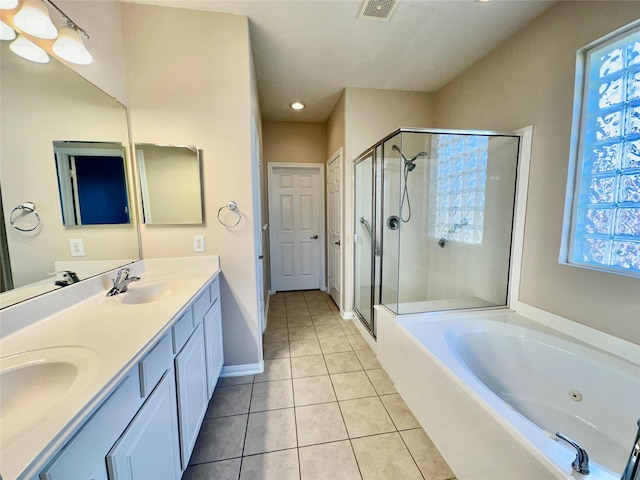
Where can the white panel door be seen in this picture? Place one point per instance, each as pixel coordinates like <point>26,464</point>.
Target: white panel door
<point>296,216</point>
<point>257,219</point>
<point>334,220</point>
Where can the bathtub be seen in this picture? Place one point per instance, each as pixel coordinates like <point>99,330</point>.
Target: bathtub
<point>492,393</point>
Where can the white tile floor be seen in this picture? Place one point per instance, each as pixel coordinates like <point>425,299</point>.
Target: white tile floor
<point>323,409</point>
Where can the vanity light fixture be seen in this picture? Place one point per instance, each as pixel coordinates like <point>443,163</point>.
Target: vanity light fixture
<point>6,32</point>
<point>297,105</point>
<point>25,48</point>
<point>33,18</point>
<point>8,4</point>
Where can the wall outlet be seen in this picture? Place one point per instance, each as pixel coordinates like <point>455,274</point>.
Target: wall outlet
<point>198,243</point>
<point>77,247</point>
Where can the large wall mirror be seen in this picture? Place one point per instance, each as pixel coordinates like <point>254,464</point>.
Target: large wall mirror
<point>44,107</point>
<point>170,183</point>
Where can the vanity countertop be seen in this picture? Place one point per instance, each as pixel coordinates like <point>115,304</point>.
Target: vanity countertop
<point>102,337</point>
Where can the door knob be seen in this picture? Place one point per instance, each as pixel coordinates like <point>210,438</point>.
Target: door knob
<point>337,243</point>
<point>315,237</point>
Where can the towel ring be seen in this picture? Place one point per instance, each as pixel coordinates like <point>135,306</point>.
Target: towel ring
<point>233,206</point>
<point>23,209</point>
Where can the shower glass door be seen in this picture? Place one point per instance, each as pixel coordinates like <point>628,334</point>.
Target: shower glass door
<point>364,249</point>
<point>454,196</point>
<point>434,215</point>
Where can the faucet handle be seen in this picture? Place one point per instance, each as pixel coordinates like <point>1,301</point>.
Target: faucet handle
<point>581,462</point>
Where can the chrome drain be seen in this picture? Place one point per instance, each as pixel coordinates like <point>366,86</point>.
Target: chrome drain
<point>575,395</point>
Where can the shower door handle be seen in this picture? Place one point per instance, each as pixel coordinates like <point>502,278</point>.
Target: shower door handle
<point>315,237</point>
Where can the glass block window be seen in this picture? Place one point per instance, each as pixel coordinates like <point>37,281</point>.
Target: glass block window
<point>459,177</point>
<point>606,213</point>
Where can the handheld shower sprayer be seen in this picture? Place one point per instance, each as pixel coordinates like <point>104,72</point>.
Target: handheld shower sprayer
<point>409,166</point>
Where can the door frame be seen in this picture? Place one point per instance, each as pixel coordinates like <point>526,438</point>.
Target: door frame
<point>338,157</point>
<point>322,224</point>
<point>256,169</point>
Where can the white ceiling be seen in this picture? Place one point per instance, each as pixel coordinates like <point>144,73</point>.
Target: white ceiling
<point>309,50</point>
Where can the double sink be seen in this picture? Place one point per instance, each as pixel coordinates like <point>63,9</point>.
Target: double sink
<point>34,382</point>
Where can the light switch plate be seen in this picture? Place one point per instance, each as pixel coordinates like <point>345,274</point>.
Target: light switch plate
<point>198,243</point>
<point>77,247</point>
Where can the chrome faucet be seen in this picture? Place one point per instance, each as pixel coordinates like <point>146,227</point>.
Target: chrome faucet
<point>121,282</point>
<point>68,278</point>
<point>632,470</point>
<point>581,462</point>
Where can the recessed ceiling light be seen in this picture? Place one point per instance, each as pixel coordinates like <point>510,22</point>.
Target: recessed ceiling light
<point>297,106</point>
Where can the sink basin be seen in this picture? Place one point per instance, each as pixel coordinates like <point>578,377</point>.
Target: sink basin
<point>153,290</point>
<point>33,383</point>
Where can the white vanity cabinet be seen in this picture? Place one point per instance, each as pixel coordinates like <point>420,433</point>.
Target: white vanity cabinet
<point>148,425</point>
<point>84,455</point>
<point>149,448</point>
<point>213,338</point>
<point>198,367</point>
<point>191,377</point>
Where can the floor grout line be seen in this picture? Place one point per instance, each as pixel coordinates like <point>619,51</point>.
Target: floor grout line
<point>291,306</point>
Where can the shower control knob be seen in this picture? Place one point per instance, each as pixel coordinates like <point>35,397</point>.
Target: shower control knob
<point>315,237</point>
<point>337,243</point>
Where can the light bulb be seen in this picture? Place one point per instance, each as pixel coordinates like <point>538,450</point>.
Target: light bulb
<point>69,47</point>
<point>27,49</point>
<point>6,32</point>
<point>33,18</point>
<point>8,4</point>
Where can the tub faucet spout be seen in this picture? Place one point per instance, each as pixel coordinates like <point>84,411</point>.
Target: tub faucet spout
<point>581,462</point>
<point>632,470</point>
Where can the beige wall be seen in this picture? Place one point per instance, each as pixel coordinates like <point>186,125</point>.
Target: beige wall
<point>372,114</point>
<point>529,80</point>
<point>336,127</point>
<point>295,142</point>
<point>203,98</point>
<point>103,22</point>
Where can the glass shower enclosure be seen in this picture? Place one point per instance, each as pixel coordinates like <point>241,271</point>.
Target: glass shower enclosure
<point>434,214</point>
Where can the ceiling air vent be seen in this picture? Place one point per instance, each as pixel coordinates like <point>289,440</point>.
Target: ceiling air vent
<point>379,10</point>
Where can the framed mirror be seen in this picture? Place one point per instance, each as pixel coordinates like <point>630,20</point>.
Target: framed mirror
<point>170,183</point>
<point>44,105</point>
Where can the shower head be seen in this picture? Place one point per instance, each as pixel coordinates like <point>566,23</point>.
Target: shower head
<point>409,164</point>
<point>421,154</point>
<point>442,242</point>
